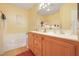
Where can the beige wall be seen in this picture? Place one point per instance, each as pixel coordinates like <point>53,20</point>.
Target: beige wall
<point>34,18</point>
<point>13,15</point>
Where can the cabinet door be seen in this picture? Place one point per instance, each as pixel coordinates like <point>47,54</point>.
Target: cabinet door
<point>30,41</point>
<point>55,47</point>
<point>38,45</point>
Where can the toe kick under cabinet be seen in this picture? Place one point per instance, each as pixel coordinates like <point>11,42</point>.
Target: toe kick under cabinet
<point>44,45</point>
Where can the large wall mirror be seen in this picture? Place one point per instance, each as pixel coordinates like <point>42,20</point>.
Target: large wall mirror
<point>61,14</point>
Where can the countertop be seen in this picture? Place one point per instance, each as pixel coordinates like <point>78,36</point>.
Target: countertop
<point>67,36</point>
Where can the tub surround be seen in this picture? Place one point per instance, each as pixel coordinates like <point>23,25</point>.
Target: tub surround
<point>14,40</point>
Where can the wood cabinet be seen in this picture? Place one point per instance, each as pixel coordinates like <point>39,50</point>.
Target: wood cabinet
<point>43,45</point>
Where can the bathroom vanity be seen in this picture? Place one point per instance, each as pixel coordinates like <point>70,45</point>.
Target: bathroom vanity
<point>46,44</point>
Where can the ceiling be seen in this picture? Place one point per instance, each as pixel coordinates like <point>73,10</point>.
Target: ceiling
<point>53,8</point>
<point>24,5</point>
